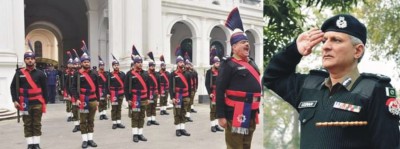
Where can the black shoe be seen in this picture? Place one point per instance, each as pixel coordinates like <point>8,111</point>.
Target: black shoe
<point>184,132</point>
<point>76,128</point>
<point>193,111</point>
<point>101,117</point>
<point>188,119</point>
<point>135,138</point>
<point>30,146</point>
<point>162,112</point>
<point>155,123</point>
<point>105,117</point>
<point>84,144</point>
<point>178,133</point>
<point>92,143</point>
<point>213,129</point>
<point>148,123</point>
<point>114,126</point>
<point>69,119</point>
<point>165,112</point>
<point>36,146</point>
<point>142,138</point>
<point>120,126</point>
<point>218,128</point>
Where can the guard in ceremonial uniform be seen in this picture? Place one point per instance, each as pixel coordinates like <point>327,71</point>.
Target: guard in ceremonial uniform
<point>164,87</point>
<point>65,75</point>
<point>154,89</point>
<point>192,87</point>
<point>29,95</point>
<point>137,95</point>
<point>238,89</point>
<point>74,108</point>
<point>115,91</point>
<point>103,76</point>
<point>179,91</point>
<point>338,108</point>
<point>211,79</point>
<point>85,89</point>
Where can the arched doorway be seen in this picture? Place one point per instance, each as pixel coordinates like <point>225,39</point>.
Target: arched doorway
<point>181,36</point>
<point>45,44</point>
<point>218,41</point>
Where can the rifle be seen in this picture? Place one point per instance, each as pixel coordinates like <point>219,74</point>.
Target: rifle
<point>17,89</point>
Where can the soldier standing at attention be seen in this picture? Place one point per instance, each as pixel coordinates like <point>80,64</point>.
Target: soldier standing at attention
<point>179,91</point>
<point>164,86</point>
<point>103,76</point>
<point>85,89</point>
<point>137,95</point>
<point>211,76</point>
<point>29,95</point>
<point>115,91</point>
<point>338,107</point>
<point>192,76</point>
<point>65,75</point>
<point>154,89</point>
<point>238,89</point>
<point>75,108</point>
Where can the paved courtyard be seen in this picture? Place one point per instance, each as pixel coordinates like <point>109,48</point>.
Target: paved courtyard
<point>57,132</point>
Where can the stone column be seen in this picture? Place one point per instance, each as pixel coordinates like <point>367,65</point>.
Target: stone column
<point>93,43</point>
<point>154,29</point>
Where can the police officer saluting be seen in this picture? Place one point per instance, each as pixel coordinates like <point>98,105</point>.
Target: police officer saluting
<point>103,76</point>
<point>238,89</point>
<point>339,108</point>
<point>85,90</point>
<point>28,91</point>
<point>164,87</point>
<point>115,91</point>
<point>137,95</point>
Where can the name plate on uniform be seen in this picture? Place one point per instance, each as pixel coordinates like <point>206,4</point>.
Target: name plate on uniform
<point>307,104</point>
<point>347,107</point>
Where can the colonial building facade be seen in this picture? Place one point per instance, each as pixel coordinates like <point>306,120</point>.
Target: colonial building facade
<point>113,26</point>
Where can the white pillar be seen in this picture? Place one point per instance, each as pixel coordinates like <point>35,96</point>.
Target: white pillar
<point>259,55</point>
<point>93,43</point>
<point>12,39</point>
<point>133,17</point>
<point>154,28</point>
<point>116,24</point>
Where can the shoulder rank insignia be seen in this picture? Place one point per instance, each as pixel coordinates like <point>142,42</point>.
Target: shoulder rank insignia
<point>390,92</point>
<point>347,107</point>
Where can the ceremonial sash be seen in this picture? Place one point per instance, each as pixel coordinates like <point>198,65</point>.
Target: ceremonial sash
<point>251,69</point>
<point>101,88</point>
<point>24,103</point>
<point>181,92</point>
<point>138,94</point>
<point>153,89</point>
<point>243,103</point>
<point>116,91</point>
<point>164,86</point>
<point>87,93</point>
<point>213,87</point>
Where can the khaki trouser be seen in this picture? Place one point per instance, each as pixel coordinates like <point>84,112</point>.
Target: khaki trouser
<point>179,113</point>
<point>102,104</point>
<point>213,111</point>
<point>116,109</point>
<point>137,119</point>
<point>164,99</point>
<point>68,106</point>
<point>87,119</point>
<point>151,108</point>
<point>192,93</point>
<point>239,141</point>
<point>32,122</point>
<point>75,113</point>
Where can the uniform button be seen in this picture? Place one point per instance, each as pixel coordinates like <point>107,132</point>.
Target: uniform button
<point>304,120</point>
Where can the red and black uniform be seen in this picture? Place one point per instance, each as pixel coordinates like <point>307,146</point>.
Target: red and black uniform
<point>116,92</point>
<point>103,76</point>
<point>66,96</point>
<point>164,89</point>
<point>211,78</point>
<point>180,90</point>
<point>154,91</point>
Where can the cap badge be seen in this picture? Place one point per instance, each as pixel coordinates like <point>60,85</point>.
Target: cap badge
<point>341,22</point>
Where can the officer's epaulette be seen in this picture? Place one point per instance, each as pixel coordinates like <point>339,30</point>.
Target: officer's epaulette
<point>226,58</point>
<point>378,77</point>
<point>320,72</point>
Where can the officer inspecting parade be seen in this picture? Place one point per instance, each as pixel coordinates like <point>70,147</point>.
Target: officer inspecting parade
<point>338,106</point>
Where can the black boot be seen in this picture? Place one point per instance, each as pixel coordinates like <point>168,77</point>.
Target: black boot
<point>135,138</point>
<point>155,123</point>
<point>105,117</point>
<point>148,123</point>
<point>120,126</point>
<point>36,146</point>
<point>165,112</point>
<point>188,119</point>
<point>30,146</point>
<point>184,132</point>
<point>69,119</point>
<point>92,143</point>
<point>84,144</point>
<point>213,129</point>
<point>76,128</point>
<point>162,112</point>
<point>218,128</point>
<point>114,126</point>
<point>142,138</point>
<point>193,111</point>
<point>101,117</point>
<point>178,133</point>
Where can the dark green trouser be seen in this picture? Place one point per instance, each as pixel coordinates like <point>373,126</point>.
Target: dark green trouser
<point>137,119</point>
<point>239,141</point>
<point>32,122</point>
<point>75,113</point>
<point>192,93</point>
<point>68,106</point>
<point>102,104</point>
<point>151,108</point>
<point>116,109</point>
<point>179,113</point>
<point>164,99</point>
<point>213,111</point>
<point>87,119</point>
